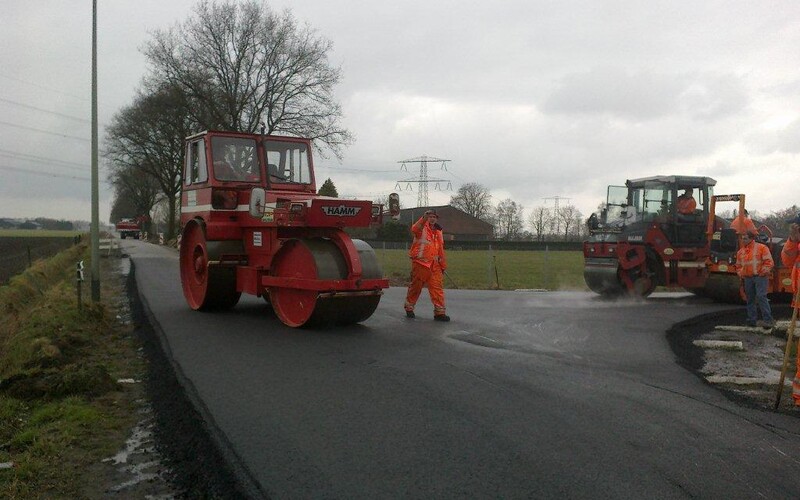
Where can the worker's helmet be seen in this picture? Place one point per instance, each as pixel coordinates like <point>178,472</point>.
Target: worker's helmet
<point>428,213</point>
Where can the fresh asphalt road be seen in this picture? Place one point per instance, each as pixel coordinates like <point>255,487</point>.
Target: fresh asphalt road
<point>522,395</point>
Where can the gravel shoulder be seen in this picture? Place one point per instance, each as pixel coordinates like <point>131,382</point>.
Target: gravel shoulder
<point>748,376</point>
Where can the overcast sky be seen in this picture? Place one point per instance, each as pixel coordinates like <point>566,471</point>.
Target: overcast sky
<point>533,99</point>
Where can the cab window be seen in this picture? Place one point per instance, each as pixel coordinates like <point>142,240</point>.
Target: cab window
<point>287,162</point>
<point>235,159</point>
<point>196,171</point>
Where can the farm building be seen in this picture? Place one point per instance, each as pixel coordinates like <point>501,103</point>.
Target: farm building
<point>456,224</point>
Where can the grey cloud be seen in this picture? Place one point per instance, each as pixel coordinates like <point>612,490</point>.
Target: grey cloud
<point>646,96</point>
<point>709,97</point>
<point>612,91</point>
<point>781,141</point>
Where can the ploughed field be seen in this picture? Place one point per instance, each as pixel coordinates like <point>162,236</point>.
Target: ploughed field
<point>19,248</point>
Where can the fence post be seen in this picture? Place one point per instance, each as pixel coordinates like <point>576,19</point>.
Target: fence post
<point>546,267</point>
<point>30,262</point>
<point>489,266</point>
<point>78,281</point>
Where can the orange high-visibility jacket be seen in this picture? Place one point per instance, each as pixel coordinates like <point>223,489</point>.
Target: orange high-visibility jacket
<point>791,258</point>
<point>428,245</point>
<point>686,205</point>
<point>745,225</point>
<point>753,259</point>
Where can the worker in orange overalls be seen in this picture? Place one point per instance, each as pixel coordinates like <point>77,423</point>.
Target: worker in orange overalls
<point>743,224</point>
<point>427,265</point>
<point>754,264</point>
<point>686,203</point>
<point>790,258</point>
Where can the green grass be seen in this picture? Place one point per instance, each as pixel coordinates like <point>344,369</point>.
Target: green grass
<point>475,269</point>
<point>36,233</point>
<point>61,410</point>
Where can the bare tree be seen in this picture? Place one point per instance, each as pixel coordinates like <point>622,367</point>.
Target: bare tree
<point>776,221</point>
<point>241,64</point>
<point>569,218</point>
<point>540,221</point>
<point>474,199</point>
<point>508,222</point>
<point>148,137</point>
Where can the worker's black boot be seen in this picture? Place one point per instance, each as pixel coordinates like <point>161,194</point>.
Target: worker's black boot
<point>441,317</point>
<point>410,314</point>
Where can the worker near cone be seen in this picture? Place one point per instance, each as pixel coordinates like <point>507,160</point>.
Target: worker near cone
<point>754,264</point>
<point>428,264</point>
<point>791,259</point>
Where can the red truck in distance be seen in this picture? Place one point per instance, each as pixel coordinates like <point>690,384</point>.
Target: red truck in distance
<point>129,227</point>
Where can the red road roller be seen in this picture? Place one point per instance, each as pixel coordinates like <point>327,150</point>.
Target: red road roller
<point>253,223</point>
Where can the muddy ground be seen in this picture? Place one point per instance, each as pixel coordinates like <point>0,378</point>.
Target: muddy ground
<point>168,453</point>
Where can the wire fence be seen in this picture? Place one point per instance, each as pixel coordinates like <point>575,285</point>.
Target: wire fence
<point>17,254</point>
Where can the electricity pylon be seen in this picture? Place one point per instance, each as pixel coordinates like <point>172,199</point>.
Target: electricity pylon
<point>423,180</point>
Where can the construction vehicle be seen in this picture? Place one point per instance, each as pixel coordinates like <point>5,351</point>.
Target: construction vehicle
<point>640,240</point>
<point>129,227</point>
<point>724,243</point>
<point>253,223</point>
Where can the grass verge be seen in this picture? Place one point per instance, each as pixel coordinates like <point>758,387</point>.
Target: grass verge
<point>61,409</point>
<point>498,269</point>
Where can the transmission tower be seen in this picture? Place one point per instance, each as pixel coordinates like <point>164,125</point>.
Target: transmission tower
<point>423,180</point>
<point>556,199</point>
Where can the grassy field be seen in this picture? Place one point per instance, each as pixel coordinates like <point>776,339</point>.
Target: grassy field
<point>499,269</point>
<point>36,233</point>
<point>19,248</point>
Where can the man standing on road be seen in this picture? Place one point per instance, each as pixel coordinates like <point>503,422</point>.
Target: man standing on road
<point>790,258</point>
<point>754,264</point>
<point>427,265</point>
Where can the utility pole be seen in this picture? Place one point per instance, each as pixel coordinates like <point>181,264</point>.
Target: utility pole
<point>95,231</point>
<point>423,180</point>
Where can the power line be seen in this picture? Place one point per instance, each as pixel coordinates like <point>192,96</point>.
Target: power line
<point>44,174</point>
<point>28,106</point>
<point>43,87</point>
<point>44,131</point>
<point>28,157</point>
<point>337,169</point>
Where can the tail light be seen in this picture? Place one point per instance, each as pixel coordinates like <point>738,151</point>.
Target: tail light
<point>224,199</point>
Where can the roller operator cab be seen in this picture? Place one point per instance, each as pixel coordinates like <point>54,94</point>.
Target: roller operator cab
<point>253,223</point>
<point>650,234</point>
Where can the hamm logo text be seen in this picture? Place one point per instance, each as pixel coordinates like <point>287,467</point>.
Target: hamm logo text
<point>341,211</point>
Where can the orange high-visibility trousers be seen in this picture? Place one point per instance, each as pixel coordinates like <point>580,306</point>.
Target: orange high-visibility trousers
<point>433,277</point>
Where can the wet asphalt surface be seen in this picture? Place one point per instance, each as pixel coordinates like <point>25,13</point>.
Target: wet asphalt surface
<point>523,394</point>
